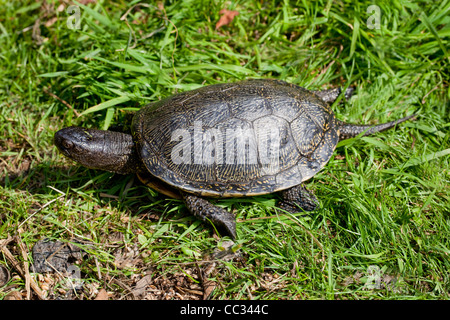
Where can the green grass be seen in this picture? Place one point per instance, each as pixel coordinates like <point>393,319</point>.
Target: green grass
<point>385,199</point>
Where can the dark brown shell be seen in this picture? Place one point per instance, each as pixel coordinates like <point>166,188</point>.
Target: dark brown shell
<point>246,138</point>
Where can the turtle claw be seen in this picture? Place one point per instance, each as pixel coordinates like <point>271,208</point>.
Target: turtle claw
<point>204,210</point>
<point>230,227</point>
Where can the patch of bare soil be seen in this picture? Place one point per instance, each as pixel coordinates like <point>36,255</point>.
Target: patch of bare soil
<point>58,271</point>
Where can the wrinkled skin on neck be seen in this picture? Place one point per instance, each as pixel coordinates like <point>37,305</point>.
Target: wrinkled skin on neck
<point>99,149</point>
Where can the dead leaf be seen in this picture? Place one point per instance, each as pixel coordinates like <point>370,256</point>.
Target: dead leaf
<point>61,8</point>
<point>13,295</point>
<point>127,258</point>
<point>36,34</point>
<point>226,18</point>
<point>50,22</point>
<point>208,288</point>
<point>102,295</point>
<point>141,285</point>
<point>4,276</point>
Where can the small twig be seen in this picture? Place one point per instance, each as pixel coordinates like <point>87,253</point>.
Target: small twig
<point>26,268</point>
<point>122,285</point>
<point>62,101</point>
<point>16,265</point>
<point>151,34</point>
<point>124,18</point>
<point>97,265</point>
<point>5,242</point>
<point>57,190</point>
<point>38,210</point>
<point>424,97</point>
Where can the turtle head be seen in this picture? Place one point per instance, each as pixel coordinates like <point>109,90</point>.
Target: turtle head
<point>99,149</point>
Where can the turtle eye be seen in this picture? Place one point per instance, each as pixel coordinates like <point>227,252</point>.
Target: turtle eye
<point>67,144</point>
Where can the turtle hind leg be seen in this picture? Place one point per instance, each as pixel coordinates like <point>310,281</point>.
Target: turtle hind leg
<point>204,210</point>
<point>330,95</point>
<point>298,197</point>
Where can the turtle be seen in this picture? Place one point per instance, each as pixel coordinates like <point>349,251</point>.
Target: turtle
<point>245,138</point>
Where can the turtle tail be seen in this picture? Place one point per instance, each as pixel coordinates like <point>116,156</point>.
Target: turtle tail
<point>348,130</point>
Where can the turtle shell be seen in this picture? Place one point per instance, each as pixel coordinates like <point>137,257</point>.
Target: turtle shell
<point>236,139</point>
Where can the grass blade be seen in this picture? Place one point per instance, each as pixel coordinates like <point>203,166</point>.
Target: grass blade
<point>106,104</point>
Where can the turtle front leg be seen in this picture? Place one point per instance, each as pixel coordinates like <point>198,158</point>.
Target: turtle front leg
<point>296,197</point>
<point>204,210</point>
